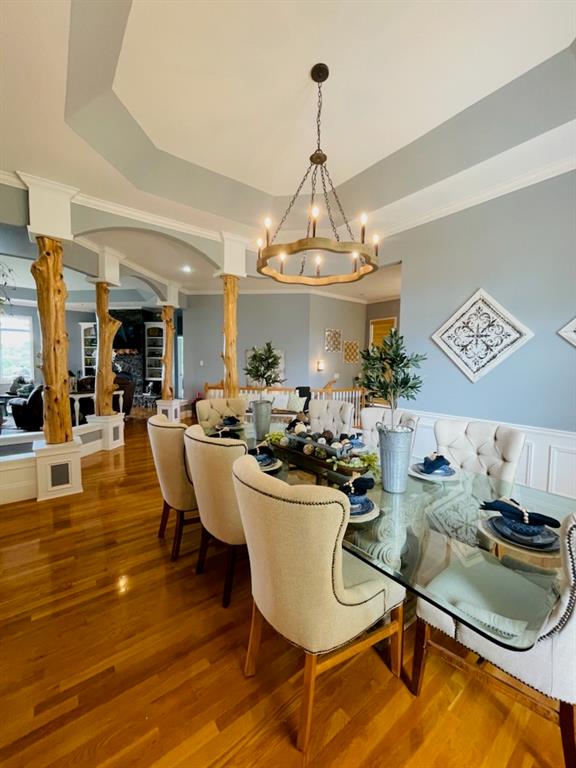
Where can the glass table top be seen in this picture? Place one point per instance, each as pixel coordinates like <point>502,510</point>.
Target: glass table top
<point>434,540</point>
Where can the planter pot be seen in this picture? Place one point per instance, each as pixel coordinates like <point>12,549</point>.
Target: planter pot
<point>395,450</point>
<point>262,410</point>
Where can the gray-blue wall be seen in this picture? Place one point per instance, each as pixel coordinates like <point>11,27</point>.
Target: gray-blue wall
<point>294,323</point>
<point>519,248</point>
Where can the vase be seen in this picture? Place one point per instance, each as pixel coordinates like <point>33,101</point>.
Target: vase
<point>262,411</point>
<point>395,449</point>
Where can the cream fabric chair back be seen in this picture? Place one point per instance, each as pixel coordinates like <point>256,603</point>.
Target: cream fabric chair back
<point>335,415</point>
<point>211,411</point>
<point>369,417</point>
<point>167,443</point>
<point>477,446</point>
<point>210,460</point>
<point>294,536</point>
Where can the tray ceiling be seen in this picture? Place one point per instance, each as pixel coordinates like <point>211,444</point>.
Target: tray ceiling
<point>226,86</point>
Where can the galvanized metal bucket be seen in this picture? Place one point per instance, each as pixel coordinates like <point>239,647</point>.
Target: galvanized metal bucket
<point>262,410</point>
<point>395,449</point>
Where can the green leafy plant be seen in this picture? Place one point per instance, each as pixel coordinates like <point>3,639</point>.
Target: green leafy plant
<point>264,366</point>
<point>387,371</point>
<point>6,277</point>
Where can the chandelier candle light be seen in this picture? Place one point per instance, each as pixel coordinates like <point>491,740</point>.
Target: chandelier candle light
<point>273,258</point>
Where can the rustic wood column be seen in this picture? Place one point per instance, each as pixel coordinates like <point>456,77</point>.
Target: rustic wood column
<point>52,293</point>
<point>168,353</point>
<point>107,327</point>
<point>230,335</point>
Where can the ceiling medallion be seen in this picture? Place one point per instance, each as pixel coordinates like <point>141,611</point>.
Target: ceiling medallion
<point>324,260</point>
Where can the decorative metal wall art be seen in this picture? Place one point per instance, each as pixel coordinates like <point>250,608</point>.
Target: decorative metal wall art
<point>568,332</point>
<point>480,335</point>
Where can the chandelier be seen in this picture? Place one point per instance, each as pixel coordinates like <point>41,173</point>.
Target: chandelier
<point>318,260</point>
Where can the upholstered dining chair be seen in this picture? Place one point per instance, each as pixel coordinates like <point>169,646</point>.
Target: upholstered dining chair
<point>311,591</point>
<point>369,417</point>
<point>167,443</point>
<point>335,415</point>
<point>549,666</point>
<point>210,461</point>
<point>481,447</point>
<point>211,411</point>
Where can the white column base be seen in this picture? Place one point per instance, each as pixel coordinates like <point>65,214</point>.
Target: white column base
<point>170,408</point>
<point>112,430</point>
<point>58,469</point>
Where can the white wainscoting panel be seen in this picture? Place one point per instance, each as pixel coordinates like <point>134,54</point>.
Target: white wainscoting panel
<point>548,461</point>
<point>562,470</point>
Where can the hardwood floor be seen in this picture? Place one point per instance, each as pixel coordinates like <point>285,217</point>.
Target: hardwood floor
<point>111,655</point>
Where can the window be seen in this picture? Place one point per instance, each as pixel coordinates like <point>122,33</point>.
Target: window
<point>16,348</point>
<point>380,328</point>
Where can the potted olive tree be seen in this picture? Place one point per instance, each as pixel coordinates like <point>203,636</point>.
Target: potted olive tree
<point>387,373</point>
<point>263,367</point>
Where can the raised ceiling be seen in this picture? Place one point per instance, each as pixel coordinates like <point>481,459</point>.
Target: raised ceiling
<point>225,85</point>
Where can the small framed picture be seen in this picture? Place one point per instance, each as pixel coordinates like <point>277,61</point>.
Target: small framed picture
<point>351,352</point>
<point>332,340</point>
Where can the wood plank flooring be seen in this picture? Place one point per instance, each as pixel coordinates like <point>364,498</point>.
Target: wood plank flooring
<point>113,656</point>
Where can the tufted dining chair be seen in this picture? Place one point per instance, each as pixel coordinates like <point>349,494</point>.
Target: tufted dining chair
<point>481,447</point>
<point>311,591</point>
<point>549,666</point>
<point>210,460</point>
<point>167,444</point>
<point>369,417</point>
<point>211,411</point>
<point>335,415</point>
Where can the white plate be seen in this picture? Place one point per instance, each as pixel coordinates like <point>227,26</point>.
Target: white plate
<point>433,478</point>
<point>273,467</point>
<point>372,515</point>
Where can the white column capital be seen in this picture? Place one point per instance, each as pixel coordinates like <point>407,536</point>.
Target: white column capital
<point>172,290</point>
<point>108,266</point>
<point>234,260</point>
<point>49,204</point>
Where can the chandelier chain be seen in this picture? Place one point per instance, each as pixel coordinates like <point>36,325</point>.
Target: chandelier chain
<point>339,204</point>
<point>291,204</point>
<point>319,116</point>
<point>327,200</point>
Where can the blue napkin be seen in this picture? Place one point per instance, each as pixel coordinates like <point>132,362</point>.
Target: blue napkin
<point>434,463</point>
<point>511,510</point>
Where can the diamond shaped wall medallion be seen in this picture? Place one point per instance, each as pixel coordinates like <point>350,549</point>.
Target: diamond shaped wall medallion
<point>568,332</point>
<point>480,335</point>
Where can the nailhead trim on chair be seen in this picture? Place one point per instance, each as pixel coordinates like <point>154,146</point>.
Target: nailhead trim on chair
<point>315,504</point>
<point>563,620</point>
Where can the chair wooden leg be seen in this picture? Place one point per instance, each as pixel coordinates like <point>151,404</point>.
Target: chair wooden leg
<point>420,650</point>
<point>229,578</point>
<point>567,730</point>
<point>254,642</point>
<point>204,541</point>
<point>397,641</point>
<point>177,535</point>
<point>164,520</point>
<point>307,701</point>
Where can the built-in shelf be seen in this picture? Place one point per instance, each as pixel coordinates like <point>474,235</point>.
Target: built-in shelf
<point>89,336</point>
<point>154,345</point>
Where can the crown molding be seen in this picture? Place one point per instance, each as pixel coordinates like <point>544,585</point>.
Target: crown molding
<point>117,209</point>
<point>11,179</point>
<point>252,292</point>
<point>383,301</point>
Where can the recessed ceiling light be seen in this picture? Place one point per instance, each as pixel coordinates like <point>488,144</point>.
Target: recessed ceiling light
<point>186,268</point>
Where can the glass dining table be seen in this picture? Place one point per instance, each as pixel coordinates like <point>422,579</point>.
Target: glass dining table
<point>436,541</point>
